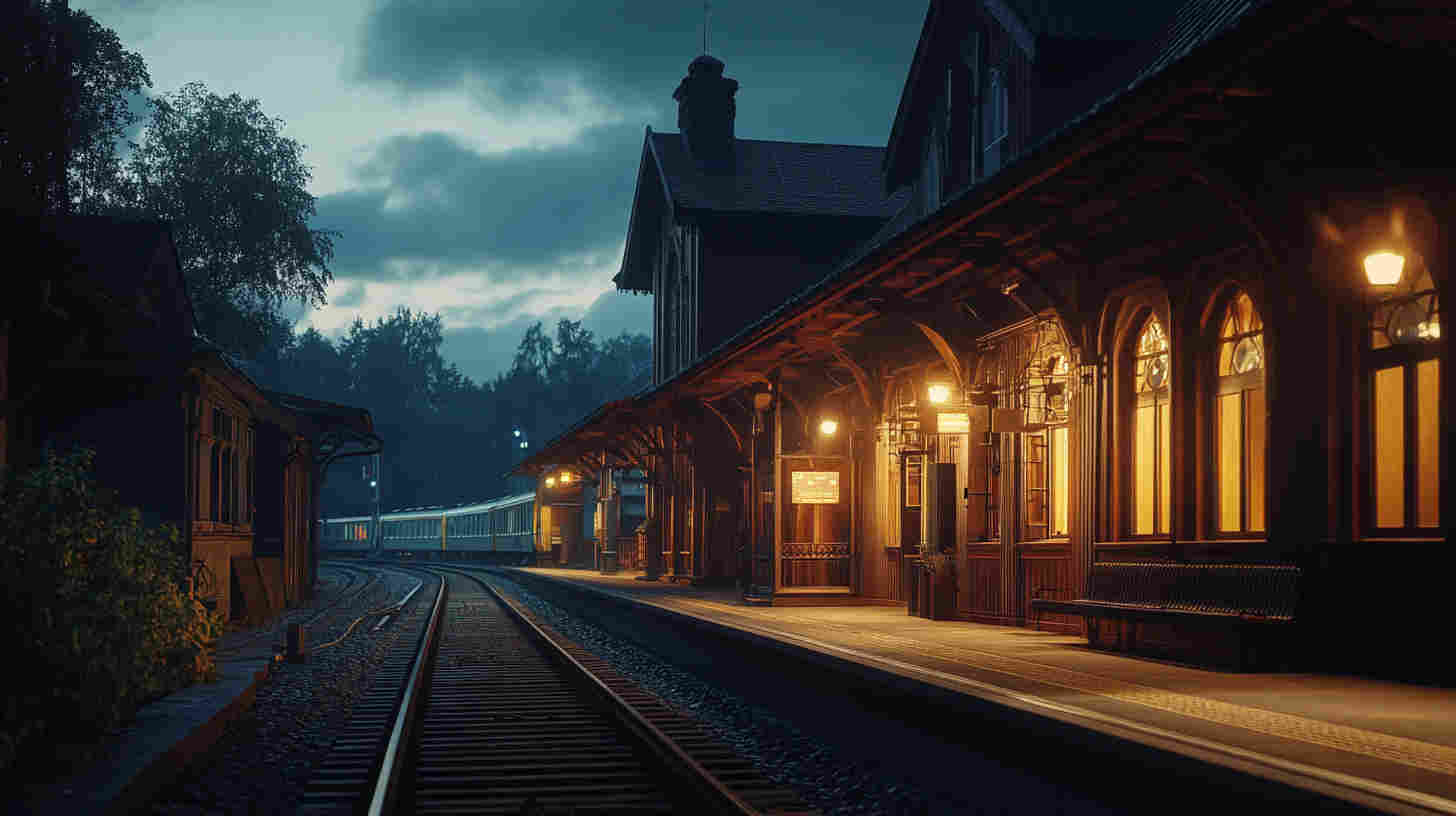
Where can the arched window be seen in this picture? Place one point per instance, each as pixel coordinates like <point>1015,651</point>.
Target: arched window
<point>1152,505</point>
<point>1238,419</point>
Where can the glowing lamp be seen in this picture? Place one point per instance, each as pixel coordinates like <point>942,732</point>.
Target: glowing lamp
<point>939,393</point>
<point>516,432</point>
<point>373,483</point>
<point>1383,268</point>
<point>523,443</point>
<point>565,478</point>
<point>828,427</point>
<point>550,481</point>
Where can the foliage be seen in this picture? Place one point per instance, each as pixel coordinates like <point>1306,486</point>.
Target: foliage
<point>96,605</point>
<point>234,189</point>
<point>446,438</point>
<point>46,107</point>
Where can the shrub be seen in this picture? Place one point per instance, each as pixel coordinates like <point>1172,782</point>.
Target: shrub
<point>98,609</point>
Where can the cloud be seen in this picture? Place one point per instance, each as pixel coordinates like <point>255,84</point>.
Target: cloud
<point>352,296</point>
<point>613,313</point>
<point>797,60</point>
<point>430,204</point>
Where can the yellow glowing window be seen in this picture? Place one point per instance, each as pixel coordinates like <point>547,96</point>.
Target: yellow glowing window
<point>1239,419</point>
<point>1152,501</point>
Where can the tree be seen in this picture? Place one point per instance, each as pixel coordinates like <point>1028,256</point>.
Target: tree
<point>234,189</point>
<point>67,83</point>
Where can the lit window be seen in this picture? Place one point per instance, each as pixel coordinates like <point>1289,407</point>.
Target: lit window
<point>1152,503</point>
<point>1239,419</point>
<point>1405,410</point>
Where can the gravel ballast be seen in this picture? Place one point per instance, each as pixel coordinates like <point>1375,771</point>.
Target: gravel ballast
<point>811,740</point>
<point>264,759</point>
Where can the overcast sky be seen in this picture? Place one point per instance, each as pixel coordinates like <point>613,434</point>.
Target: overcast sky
<point>479,156</point>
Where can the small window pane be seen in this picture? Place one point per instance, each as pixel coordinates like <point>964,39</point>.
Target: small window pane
<point>1254,437</point>
<point>1230,441</point>
<point>1164,450</point>
<point>1143,469</point>
<point>1428,444</point>
<point>1388,409</point>
<point>1059,482</point>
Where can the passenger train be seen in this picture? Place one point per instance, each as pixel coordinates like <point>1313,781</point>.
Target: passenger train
<point>502,531</point>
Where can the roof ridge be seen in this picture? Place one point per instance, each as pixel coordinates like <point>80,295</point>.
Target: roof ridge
<point>782,141</point>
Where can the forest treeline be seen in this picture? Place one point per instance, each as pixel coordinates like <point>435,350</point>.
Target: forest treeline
<point>448,439</point>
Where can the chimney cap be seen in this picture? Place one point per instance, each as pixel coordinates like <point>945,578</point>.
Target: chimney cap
<point>705,63</point>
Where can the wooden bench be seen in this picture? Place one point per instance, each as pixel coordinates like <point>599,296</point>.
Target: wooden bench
<point>1247,601</point>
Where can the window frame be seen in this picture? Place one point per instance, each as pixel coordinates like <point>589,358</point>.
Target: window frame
<point>1221,386</point>
<point>1406,357</point>
<point>1141,322</point>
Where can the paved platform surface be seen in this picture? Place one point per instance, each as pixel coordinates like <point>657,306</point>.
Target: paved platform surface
<point>1379,743</point>
<point>166,733</point>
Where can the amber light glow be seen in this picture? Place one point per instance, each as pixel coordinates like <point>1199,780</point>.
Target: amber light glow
<point>1384,268</point>
<point>565,478</point>
<point>939,393</point>
<point>828,427</point>
<point>550,481</point>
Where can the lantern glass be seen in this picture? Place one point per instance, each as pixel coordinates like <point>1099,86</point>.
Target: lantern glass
<point>1384,268</point>
<point>939,393</point>
<point>550,481</point>
<point>828,427</point>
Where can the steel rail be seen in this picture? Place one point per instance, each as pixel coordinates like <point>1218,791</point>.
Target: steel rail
<point>689,772</point>
<point>386,785</point>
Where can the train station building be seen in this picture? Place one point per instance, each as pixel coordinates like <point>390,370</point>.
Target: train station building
<point>1138,339</point>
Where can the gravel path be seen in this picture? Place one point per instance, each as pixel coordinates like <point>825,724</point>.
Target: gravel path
<point>263,762</point>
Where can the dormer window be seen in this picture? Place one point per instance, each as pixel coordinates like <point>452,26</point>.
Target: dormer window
<point>995,116</point>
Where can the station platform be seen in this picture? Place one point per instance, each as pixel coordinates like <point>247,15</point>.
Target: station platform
<point>1379,744</point>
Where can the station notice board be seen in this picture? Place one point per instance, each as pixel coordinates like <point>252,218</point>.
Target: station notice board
<point>814,487</point>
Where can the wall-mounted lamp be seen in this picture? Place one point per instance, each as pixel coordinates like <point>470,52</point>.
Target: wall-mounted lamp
<point>939,393</point>
<point>1384,268</point>
<point>550,481</point>
<point>565,477</point>
<point>828,427</point>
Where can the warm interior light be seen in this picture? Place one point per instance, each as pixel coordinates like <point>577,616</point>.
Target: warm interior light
<point>939,393</point>
<point>828,427</point>
<point>565,477</point>
<point>1383,268</point>
<point>550,481</point>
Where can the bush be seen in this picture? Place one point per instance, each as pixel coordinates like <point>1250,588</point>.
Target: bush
<point>97,609</point>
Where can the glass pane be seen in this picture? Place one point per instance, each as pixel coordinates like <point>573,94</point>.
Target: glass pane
<point>1230,408</point>
<point>1059,482</point>
<point>1254,457</point>
<point>1164,456</point>
<point>1143,472</point>
<point>1387,408</point>
<point>1428,444</point>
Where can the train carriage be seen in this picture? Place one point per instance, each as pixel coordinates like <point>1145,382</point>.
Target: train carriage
<point>501,531</point>
<point>346,537</point>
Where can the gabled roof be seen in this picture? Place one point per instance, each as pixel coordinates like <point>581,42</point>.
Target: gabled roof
<point>1133,20</point>
<point>767,177</point>
<point>128,266</point>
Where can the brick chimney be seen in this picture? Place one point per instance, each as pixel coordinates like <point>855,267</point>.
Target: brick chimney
<point>705,111</point>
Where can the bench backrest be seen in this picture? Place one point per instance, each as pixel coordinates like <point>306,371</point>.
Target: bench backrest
<point>1270,590</point>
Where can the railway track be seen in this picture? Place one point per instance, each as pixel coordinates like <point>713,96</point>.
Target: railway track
<point>500,715</point>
